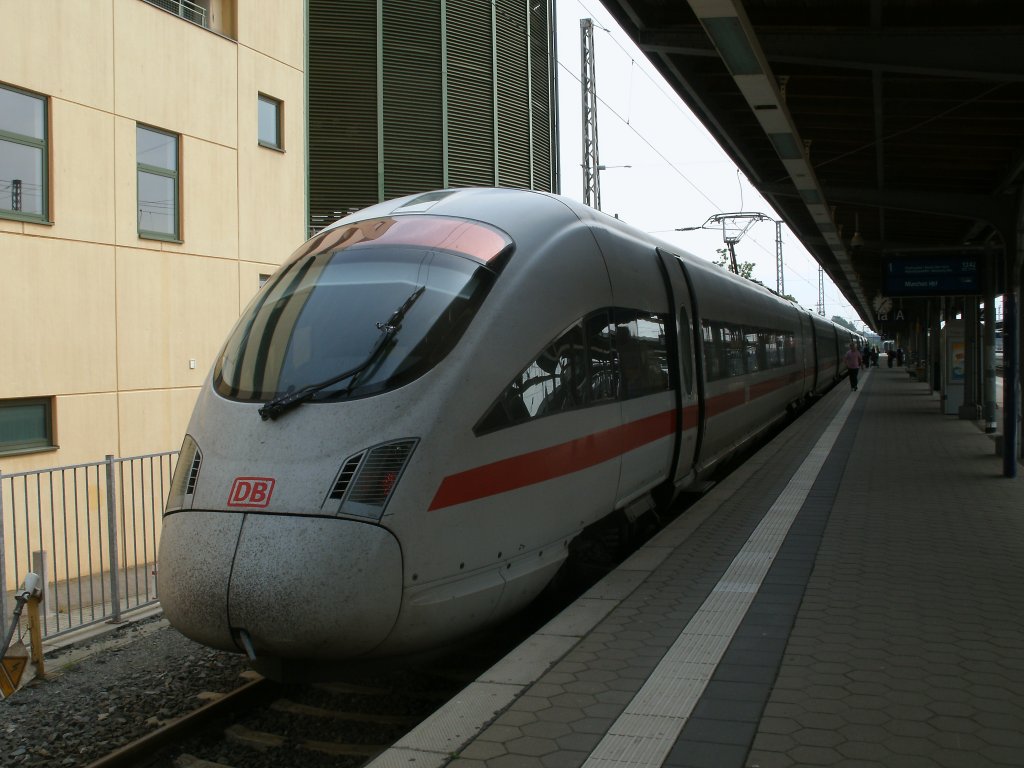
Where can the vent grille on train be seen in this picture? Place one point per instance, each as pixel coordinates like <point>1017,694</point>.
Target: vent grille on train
<point>366,480</point>
<point>380,472</point>
<point>348,471</point>
<point>193,473</point>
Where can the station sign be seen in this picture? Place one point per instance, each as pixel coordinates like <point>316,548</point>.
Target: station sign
<point>932,277</point>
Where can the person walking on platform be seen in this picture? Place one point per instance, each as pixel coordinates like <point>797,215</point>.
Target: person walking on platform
<point>853,361</point>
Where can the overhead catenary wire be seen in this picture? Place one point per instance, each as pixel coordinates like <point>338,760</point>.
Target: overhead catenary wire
<point>671,99</point>
<point>646,141</point>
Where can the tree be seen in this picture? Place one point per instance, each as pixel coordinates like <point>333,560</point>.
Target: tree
<point>746,268</point>
<point>843,322</point>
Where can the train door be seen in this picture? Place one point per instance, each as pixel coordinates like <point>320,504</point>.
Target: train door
<point>807,357</point>
<point>814,364</point>
<point>688,418</point>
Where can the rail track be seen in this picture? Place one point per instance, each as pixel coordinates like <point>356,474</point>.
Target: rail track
<point>341,724</point>
<point>359,714</point>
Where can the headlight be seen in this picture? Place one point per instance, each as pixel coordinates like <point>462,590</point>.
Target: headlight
<point>186,474</point>
<point>365,482</point>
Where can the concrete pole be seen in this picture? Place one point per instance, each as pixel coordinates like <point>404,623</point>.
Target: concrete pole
<point>935,344</point>
<point>1012,345</point>
<point>970,409</point>
<point>988,359</point>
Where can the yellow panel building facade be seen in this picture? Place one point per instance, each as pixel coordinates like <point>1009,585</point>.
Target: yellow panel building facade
<point>152,169</point>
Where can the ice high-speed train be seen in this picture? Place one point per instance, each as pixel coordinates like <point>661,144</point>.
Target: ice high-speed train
<point>433,397</point>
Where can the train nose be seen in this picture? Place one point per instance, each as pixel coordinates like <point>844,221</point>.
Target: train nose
<point>310,587</point>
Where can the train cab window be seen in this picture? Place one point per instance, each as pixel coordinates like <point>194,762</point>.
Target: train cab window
<point>362,308</point>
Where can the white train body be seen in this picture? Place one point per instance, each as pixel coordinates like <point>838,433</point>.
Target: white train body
<point>529,366</point>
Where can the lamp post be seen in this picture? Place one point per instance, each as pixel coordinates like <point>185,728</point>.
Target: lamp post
<point>597,175</point>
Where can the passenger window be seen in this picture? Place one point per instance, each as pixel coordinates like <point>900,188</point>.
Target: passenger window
<point>734,350</point>
<point>606,356</point>
<point>554,382</point>
<point>603,374</point>
<point>714,351</point>
<point>754,352</point>
<point>643,353</point>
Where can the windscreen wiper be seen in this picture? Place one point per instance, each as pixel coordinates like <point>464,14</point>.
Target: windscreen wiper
<point>389,330</point>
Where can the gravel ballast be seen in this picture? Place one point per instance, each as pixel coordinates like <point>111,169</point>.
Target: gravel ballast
<point>107,690</point>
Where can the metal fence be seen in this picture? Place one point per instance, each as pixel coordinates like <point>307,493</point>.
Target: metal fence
<point>90,531</point>
<point>185,9</point>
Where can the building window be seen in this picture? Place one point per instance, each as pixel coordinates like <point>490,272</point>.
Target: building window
<point>196,12</point>
<point>23,155</point>
<point>157,158</point>
<point>26,425</point>
<point>270,122</point>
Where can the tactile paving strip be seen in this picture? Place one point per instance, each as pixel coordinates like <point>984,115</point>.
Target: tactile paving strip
<point>648,728</point>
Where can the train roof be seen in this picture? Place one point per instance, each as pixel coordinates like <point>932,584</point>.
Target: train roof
<point>508,208</point>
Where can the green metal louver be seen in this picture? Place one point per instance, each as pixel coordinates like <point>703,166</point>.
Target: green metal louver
<point>514,155</point>
<point>412,124</point>
<point>542,77</point>
<point>407,96</point>
<point>342,104</point>
<point>470,49</point>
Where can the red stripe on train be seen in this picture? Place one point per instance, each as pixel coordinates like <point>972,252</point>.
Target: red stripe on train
<point>556,461</point>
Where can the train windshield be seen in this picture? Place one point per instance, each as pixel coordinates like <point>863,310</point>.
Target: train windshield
<point>342,303</point>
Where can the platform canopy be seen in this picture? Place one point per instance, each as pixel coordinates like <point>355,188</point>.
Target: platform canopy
<point>888,135</point>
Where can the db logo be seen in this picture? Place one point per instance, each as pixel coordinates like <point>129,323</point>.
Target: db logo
<point>251,492</point>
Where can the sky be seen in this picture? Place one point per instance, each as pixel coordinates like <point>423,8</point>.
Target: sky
<point>678,175</point>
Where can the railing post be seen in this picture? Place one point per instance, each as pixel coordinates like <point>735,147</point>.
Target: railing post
<point>3,563</point>
<point>115,586</point>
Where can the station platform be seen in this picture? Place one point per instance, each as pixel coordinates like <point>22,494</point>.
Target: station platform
<point>852,595</point>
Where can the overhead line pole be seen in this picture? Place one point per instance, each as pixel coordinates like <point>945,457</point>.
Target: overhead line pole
<point>821,291</point>
<point>732,236</point>
<point>780,280</point>
<point>588,83</point>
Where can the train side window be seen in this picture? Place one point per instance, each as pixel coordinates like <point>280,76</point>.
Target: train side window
<point>753,351</point>
<point>788,340</point>
<point>554,382</point>
<point>603,374</point>
<point>732,337</point>
<point>641,345</point>
<point>772,348</point>
<point>560,371</point>
<point>714,351</point>
<point>686,350</point>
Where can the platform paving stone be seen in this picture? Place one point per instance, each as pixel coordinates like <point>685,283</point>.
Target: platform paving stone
<point>888,631</point>
<point>914,576</point>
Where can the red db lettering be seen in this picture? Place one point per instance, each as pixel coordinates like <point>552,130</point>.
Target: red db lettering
<point>251,492</point>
